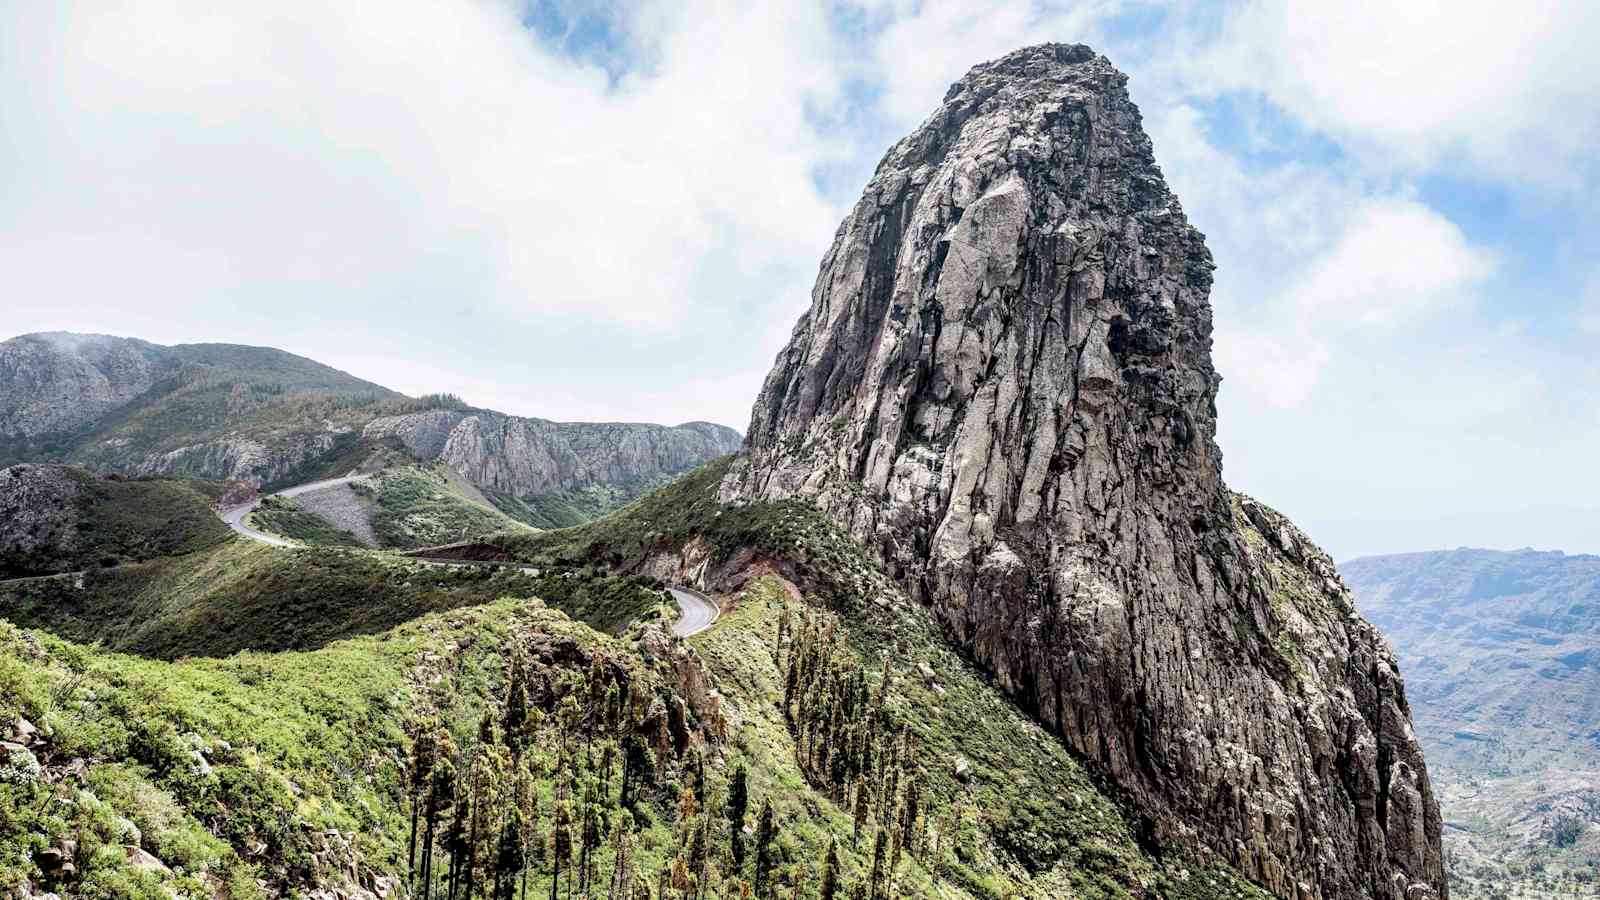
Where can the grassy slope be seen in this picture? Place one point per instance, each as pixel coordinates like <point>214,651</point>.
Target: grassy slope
<point>245,595</point>
<point>408,507</point>
<point>303,739</point>
<point>294,743</point>
<point>564,509</point>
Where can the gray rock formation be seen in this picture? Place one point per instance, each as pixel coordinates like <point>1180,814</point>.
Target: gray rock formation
<point>1004,387</point>
<point>57,385</point>
<point>38,518</point>
<point>527,457</point>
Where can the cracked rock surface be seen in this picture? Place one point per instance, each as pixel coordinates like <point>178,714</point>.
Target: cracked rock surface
<point>1004,387</point>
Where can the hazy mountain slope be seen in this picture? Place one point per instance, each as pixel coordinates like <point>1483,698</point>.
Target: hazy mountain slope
<point>1502,656</point>
<point>61,519</point>
<point>1004,388</point>
<point>55,387</point>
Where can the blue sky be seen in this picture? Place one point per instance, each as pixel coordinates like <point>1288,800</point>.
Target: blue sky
<point>615,211</point>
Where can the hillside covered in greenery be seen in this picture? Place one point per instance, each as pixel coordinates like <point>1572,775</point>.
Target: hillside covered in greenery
<point>316,719</point>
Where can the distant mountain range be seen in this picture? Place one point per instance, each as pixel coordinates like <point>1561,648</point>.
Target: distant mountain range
<point>1501,653</point>
<point>271,418</point>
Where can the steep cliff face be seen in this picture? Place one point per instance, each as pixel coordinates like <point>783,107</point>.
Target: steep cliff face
<point>1004,387</point>
<point>524,457</point>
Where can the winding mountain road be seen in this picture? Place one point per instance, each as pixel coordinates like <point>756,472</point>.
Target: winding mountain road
<point>235,515</point>
<point>696,611</point>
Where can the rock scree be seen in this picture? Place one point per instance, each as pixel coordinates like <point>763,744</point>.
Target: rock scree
<point>1004,387</point>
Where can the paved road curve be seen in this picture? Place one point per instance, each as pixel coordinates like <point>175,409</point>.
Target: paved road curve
<point>234,515</point>
<point>696,612</point>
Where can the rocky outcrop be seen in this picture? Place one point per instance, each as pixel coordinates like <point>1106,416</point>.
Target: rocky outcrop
<point>1004,387</point>
<point>57,385</point>
<point>527,457</point>
<point>241,458</point>
<point>39,512</point>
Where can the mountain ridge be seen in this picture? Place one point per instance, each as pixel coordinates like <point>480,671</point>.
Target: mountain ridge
<point>269,417</point>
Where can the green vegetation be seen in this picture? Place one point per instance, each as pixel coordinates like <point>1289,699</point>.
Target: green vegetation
<point>122,520</point>
<point>417,506</point>
<point>287,518</point>
<point>251,596</point>
<point>285,767</point>
<point>1024,819</point>
<point>835,568</point>
<point>564,509</point>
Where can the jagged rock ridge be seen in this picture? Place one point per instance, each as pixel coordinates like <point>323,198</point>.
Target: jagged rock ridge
<point>525,457</point>
<point>1004,387</point>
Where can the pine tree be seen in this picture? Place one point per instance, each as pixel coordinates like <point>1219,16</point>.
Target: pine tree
<point>830,871</point>
<point>590,835</point>
<point>515,721</point>
<point>440,800</point>
<point>424,749</point>
<point>699,854</point>
<point>638,765</point>
<point>738,805</point>
<point>484,787</point>
<point>561,847</point>
<point>621,852</point>
<point>908,814</point>
<point>510,857</point>
<point>862,809</point>
<point>880,850</point>
<point>766,831</point>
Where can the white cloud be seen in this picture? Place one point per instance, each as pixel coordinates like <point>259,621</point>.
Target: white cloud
<point>1396,263</point>
<point>429,149</point>
<point>426,195</point>
<point>1509,87</point>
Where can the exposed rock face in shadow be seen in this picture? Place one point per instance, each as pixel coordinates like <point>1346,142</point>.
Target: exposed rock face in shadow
<point>1004,387</point>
